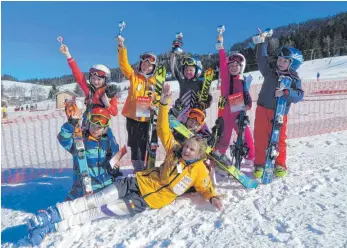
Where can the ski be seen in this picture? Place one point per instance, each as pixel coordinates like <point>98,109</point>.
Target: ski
<point>228,167</point>
<point>272,151</point>
<point>208,77</point>
<point>239,149</point>
<point>152,141</point>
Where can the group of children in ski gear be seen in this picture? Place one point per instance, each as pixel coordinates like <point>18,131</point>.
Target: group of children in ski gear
<point>155,188</point>
<point>184,165</point>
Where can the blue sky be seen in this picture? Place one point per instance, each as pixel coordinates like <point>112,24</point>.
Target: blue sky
<point>29,48</point>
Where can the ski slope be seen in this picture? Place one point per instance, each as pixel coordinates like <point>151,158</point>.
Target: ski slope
<point>305,209</point>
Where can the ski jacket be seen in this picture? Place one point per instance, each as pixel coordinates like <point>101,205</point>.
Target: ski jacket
<point>93,98</point>
<point>266,96</point>
<point>189,89</point>
<point>97,152</point>
<point>139,86</point>
<point>160,186</point>
<point>231,84</point>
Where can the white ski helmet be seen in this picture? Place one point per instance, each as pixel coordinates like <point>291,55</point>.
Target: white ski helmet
<point>239,58</point>
<point>100,70</point>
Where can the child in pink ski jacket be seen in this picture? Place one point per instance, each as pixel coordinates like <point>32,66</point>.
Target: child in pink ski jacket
<point>231,69</point>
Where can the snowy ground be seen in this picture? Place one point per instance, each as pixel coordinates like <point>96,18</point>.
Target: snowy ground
<point>305,209</point>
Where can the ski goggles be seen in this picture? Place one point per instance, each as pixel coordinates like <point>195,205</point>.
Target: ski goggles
<point>284,52</point>
<point>198,115</point>
<point>96,72</point>
<point>235,58</point>
<point>99,120</point>
<point>188,61</point>
<point>151,58</point>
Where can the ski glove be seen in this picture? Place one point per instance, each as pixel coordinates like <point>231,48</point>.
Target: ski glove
<point>111,90</point>
<point>73,121</point>
<point>218,128</point>
<point>176,44</point>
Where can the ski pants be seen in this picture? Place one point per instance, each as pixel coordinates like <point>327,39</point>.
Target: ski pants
<point>262,133</point>
<point>121,198</point>
<point>230,125</point>
<point>137,138</point>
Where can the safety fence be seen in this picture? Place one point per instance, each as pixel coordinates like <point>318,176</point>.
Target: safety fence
<point>29,146</point>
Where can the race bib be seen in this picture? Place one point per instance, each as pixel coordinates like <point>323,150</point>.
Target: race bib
<point>182,185</point>
<point>142,106</point>
<point>236,102</point>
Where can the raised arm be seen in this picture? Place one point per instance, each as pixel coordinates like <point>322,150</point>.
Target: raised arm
<point>123,58</point>
<point>173,65</point>
<point>163,127</point>
<point>223,70</point>
<point>79,76</point>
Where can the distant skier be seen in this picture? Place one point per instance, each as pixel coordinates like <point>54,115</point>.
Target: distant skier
<point>318,76</point>
<point>288,62</point>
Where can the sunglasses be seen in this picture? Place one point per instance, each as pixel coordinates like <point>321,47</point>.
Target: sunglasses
<point>99,120</point>
<point>151,58</point>
<point>188,61</point>
<point>98,73</point>
<point>235,58</point>
<point>199,116</point>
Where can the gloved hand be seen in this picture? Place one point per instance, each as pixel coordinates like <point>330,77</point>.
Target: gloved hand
<point>111,90</point>
<point>114,172</point>
<point>221,102</point>
<point>218,128</point>
<point>73,121</point>
<point>176,46</point>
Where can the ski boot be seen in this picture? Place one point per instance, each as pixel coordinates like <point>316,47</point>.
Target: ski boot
<point>280,171</point>
<point>37,235</point>
<point>258,171</point>
<point>41,224</point>
<point>44,217</point>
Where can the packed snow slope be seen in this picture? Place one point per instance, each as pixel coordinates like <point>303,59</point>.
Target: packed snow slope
<point>305,209</point>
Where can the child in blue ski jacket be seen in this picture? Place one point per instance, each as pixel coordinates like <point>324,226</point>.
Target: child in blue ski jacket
<point>288,62</point>
<point>98,150</point>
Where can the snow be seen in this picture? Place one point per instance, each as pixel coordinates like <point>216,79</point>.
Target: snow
<point>305,209</point>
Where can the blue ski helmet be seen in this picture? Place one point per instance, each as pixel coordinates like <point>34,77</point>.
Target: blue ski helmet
<point>188,60</point>
<point>293,54</point>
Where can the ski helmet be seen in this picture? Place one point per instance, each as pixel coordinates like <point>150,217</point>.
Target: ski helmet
<point>195,61</point>
<point>151,58</point>
<point>239,58</point>
<point>100,71</point>
<point>197,114</point>
<point>293,54</point>
<point>100,116</point>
